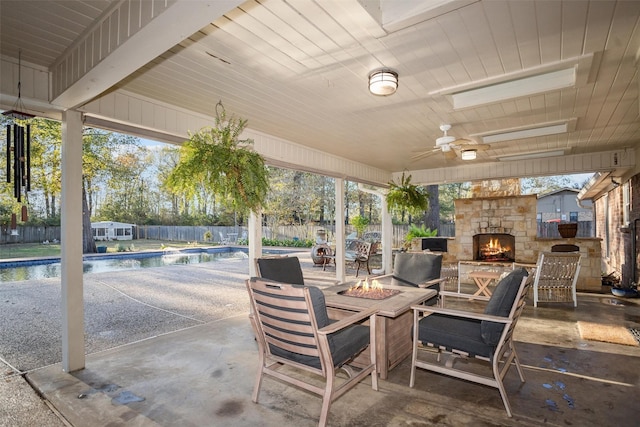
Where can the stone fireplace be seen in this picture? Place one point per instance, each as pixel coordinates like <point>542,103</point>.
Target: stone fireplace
<point>509,220</point>
<point>501,214</point>
<point>494,247</point>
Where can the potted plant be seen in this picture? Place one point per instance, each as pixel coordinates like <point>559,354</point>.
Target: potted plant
<point>568,229</point>
<point>414,236</point>
<point>217,159</point>
<point>407,197</point>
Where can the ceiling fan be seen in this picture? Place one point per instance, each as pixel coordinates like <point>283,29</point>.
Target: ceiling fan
<point>448,144</point>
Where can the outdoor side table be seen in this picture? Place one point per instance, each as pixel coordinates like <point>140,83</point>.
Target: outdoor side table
<point>483,279</point>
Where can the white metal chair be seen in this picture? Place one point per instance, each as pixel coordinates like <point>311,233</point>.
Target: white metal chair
<point>556,276</point>
<point>223,239</point>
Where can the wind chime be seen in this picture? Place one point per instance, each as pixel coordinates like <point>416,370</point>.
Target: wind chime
<point>18,157</point>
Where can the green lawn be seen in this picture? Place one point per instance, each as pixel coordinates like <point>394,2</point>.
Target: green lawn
<point>30,250</point>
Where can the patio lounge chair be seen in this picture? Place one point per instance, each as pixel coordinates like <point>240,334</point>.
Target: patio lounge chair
<point>292,328</point>
<point>556,277</point>
<point>487,336</point>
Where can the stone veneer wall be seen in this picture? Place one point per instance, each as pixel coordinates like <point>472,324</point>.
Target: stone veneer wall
<point>516,215</point>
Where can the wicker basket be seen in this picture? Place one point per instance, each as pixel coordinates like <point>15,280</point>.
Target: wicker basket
<point>568,230</point>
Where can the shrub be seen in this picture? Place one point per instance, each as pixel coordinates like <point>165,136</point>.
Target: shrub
<point>300,243</point>
<point>360,223</point>
<point>415,231</point>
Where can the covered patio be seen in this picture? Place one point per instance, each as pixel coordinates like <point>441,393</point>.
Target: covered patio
<point>529,88</point>
<point>201,371</point>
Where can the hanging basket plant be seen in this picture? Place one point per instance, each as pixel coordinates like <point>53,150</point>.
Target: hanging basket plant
<point>407,197</point>
<point>216,158</point>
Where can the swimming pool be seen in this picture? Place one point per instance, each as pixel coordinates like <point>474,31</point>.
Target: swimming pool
<point>42,268</point>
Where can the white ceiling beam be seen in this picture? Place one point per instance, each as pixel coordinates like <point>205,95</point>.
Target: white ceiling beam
<point>125,39</point>
<point>606,161</point>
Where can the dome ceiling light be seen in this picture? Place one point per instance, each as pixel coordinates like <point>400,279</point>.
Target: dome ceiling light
<point>383,82</point>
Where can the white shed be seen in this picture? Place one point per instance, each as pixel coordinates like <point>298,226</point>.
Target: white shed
<point>110,230</point>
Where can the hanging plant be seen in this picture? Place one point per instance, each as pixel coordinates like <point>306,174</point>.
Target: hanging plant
<point>216,159</point>
<point>407,197</point>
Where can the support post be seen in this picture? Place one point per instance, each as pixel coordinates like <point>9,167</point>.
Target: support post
<point>73,357</point>
<point>255,241</point>
<point>387,237</point>
<point>340,238</point>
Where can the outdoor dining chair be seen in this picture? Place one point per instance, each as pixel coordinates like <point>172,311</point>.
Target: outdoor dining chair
<point>286,269</point>
<point>419,270</point>
<point>293,330</point>
<point>556,277</point>
<point>487,337</point>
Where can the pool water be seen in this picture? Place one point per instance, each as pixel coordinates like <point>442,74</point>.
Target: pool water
<point>48,268</point>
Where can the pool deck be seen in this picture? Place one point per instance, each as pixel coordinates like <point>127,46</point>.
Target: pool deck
<point>173,346</point>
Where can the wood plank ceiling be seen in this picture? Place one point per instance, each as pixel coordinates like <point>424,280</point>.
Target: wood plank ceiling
<point>298,70</point>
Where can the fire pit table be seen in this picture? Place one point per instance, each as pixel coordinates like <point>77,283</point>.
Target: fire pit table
<point>393,319</point>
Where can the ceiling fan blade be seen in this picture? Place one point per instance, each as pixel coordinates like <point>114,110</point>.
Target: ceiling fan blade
<point>477,147</point>
<point>450,155</point>
<point>422,154</point>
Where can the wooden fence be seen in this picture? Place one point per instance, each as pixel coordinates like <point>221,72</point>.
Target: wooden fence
<point>222,234</point>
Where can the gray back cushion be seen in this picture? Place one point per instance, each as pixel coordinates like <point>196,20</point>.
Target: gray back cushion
<point>500,304</point>
<point>343,344</point>
<point>281,269</point>
<point>410,269</point>
<point>319,306</point>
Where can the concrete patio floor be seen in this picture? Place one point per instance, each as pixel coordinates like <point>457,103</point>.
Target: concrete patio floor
<point>196,365</point>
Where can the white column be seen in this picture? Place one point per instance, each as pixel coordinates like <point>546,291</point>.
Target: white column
<point>255,241</point>
<point>340,238</point>
<point>387,237</point>
<point>73,357</point>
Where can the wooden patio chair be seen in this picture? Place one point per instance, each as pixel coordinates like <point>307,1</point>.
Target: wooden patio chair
<point>556,277</point>
<point>487,337</point>
<point>419,270</point>
<point>293,329</point>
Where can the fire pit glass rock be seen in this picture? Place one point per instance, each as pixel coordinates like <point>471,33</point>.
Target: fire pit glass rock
<point>363,289</point>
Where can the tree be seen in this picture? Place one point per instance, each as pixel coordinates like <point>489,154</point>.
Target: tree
<point>544,184</point>
<point>447,194</point>
<point>99,161</point>
<point>360,223</point>
<point>432,216</point>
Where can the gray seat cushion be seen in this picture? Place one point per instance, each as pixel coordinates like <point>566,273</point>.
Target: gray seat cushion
<point>478,338</point>
<point>281,269</point>
<point>453,333</point>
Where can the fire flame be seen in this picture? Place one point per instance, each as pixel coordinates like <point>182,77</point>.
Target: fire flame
<point>494,247</point>
<point>365,286</point>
